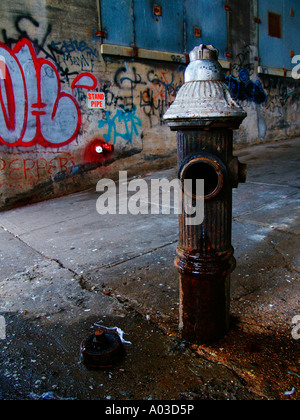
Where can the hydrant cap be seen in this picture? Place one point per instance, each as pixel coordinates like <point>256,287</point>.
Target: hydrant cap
<point>204,52</point>
<point>204,98</point>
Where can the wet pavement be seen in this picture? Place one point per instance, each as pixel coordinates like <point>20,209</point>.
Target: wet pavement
<point>65,270</point>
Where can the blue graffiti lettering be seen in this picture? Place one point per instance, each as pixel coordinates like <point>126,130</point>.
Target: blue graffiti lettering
<point>129,121</point>
<point>245,89</point>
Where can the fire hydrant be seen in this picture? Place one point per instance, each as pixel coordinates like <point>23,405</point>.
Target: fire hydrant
<point>204,115</point>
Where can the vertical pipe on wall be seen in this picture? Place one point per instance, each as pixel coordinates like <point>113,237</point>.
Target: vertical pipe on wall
<point>228,16</point>
<point>255,12</point>
<point>99,18</point>
<point>184,28</point>
<point>133,22</point>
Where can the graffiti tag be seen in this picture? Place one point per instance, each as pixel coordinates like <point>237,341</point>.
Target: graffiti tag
<point>128,120</point>
<point>245,89</point>
<point>33,107</point>
<point>18,167</point>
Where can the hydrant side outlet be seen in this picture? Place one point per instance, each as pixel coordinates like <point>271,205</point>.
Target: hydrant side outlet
<point>204,115</point>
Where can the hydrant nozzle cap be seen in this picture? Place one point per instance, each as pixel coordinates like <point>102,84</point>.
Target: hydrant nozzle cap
<point>204,52</point>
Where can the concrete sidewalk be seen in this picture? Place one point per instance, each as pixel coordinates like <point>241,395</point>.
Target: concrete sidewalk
<point>64,268</point>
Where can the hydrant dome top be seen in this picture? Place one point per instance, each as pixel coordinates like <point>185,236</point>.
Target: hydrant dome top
<point>204,65</point>
<point>204,97</point>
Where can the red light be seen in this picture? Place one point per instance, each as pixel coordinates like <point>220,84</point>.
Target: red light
<point>97,151</point>
<point>108,147</point>
<point>103,148</point>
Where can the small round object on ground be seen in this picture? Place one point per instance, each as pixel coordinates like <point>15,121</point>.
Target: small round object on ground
<point>102,349</point>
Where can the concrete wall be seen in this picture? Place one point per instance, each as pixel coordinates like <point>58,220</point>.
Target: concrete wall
<point>53,60</point>
<point>272,102</point>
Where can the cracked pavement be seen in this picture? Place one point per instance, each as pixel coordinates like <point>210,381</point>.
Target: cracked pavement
<point>64,268</point>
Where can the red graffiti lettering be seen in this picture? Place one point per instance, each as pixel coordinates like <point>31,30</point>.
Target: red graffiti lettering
<point>85,81</point>
<point>28,167</point>
<point>33,108</point>
<point>39,167</point>
<point>2,165</point>
<point>51,166</point>
<point>17,168</point>
<point>14,169</point>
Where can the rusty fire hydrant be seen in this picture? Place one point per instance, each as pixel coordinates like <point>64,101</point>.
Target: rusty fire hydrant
<point>204,115</point>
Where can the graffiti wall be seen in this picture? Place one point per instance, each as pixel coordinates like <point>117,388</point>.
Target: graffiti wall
<point>272,102</point>
<point>49,130</point>
<point>70,115</point>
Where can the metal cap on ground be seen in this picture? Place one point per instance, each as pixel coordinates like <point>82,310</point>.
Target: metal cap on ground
<point>102,349</point>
